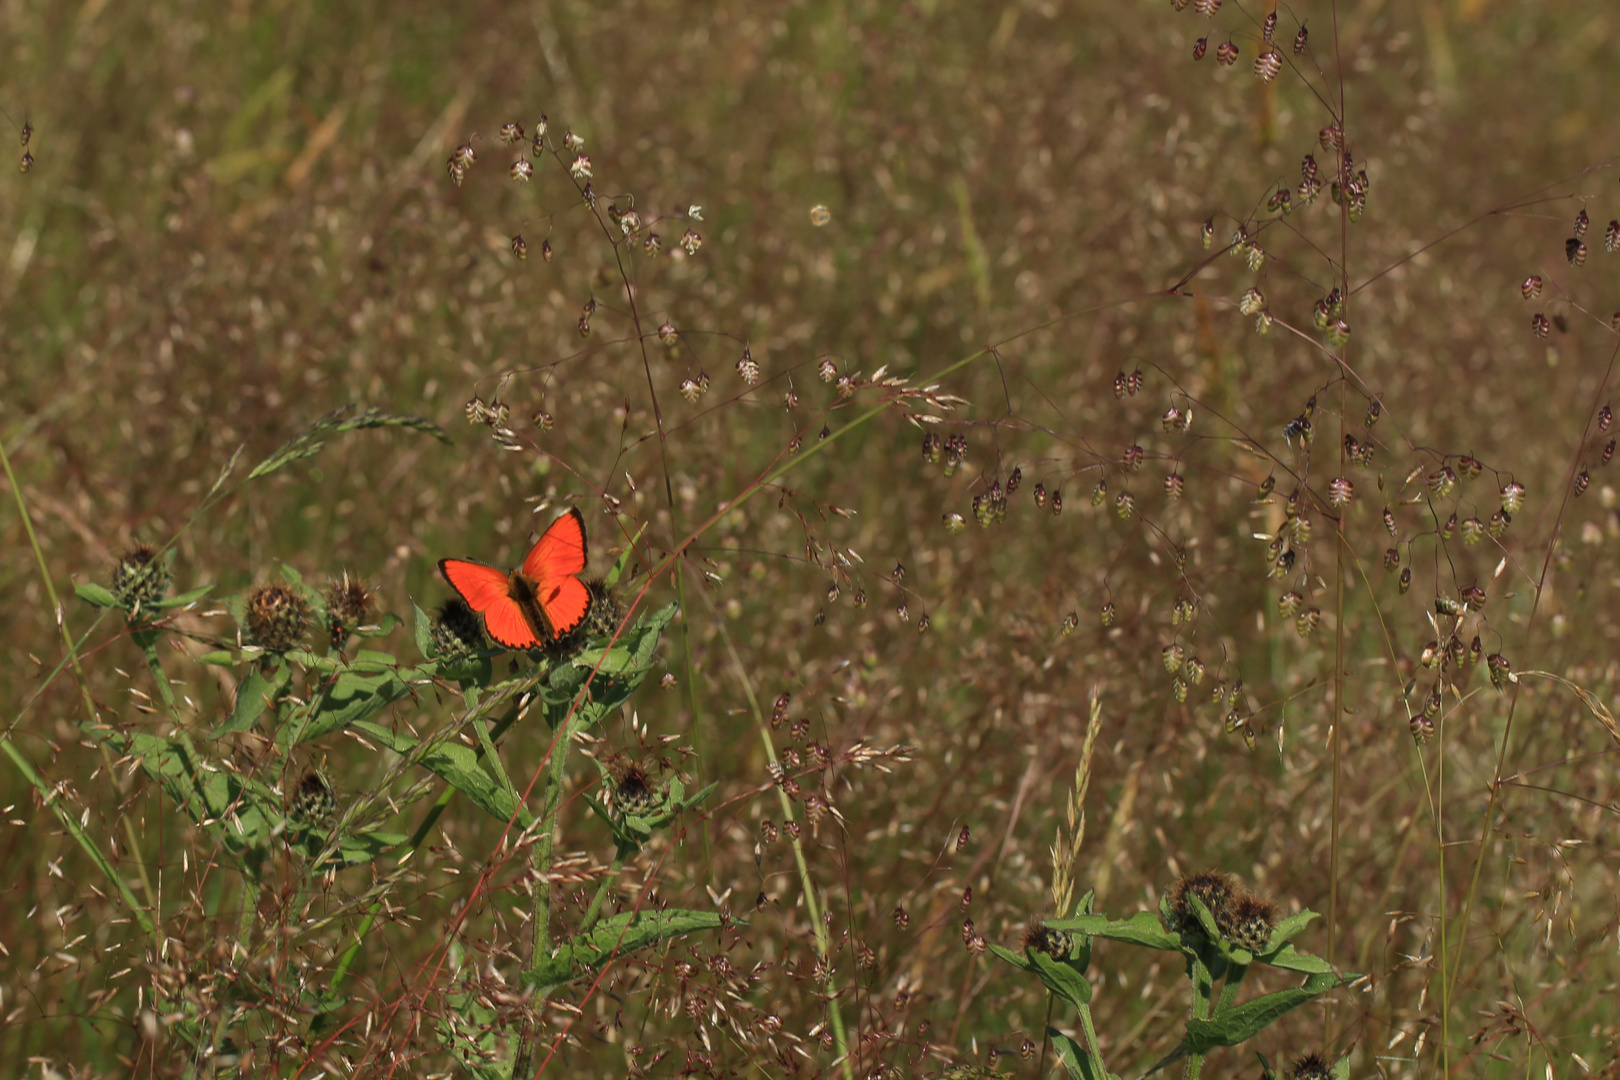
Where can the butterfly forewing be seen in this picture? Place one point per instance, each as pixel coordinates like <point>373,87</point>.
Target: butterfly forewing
<point>552,565</point>
<point>488,592</point>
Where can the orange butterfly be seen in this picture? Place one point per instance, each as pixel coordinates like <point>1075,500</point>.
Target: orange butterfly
<point>541,600</point>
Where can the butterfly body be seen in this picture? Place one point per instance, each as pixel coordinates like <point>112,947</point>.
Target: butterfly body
<point>536,603</point>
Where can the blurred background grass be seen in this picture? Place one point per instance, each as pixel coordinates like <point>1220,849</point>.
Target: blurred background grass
<point>239,219</point>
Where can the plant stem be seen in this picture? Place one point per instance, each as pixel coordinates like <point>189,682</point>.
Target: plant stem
<point>90,712</point>
<point>812,908</point>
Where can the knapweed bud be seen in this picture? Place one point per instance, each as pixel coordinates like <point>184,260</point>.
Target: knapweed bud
<point>348,606</point>
<point>312,804</point>
<point>457,631</point>
<point>1213,888</point>
<point>1249,923</point>
<point>277,617</point>
<point>1038,937</point>
<point>141,578</point>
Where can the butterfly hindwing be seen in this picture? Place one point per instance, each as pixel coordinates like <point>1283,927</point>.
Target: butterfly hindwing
<point>506,624</point>
<point>552,564</point>
<point>487,591</point>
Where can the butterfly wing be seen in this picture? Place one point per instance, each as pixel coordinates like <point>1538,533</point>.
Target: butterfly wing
<point>487,591</point>
<point>553,564</point>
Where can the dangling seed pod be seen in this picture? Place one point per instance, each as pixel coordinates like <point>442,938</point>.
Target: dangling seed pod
<point>1200,47</point>
<point>1267,65</point>
<point>519,247</point>
<point>1289,604</point>
<point>522,171</point>
<point>1301,39</point>
<point>1611,236</point>
<point>1207,8</point>
<point>1206,231</point>
<point>1530,288</point>
<point>1501,671</point>
<point>1226,54</point>
<point>1605,418</point>
<point>277,617</point>
<point>1582,481</point>
<point>1512,497</point>
<point>1581,223</point>
<point>1340,491</point>
<point>1307,622</point>
<point>1106,613</point>
<point>1575,251</point>
<point>1473,531</point>
<point>1540,326</point>
<point>1268,27</point>
<point>748,369</point>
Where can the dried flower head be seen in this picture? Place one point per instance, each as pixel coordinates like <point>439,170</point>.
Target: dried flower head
<point>348,607</point>
<point>313,803</point>
<point>1038,937</point>
<point>1216,890</point>
<point>277,617</point>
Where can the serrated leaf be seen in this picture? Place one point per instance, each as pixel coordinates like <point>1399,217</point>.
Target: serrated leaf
<point>1243,1022</point>
<point>96,595</point>
<point>618,935</point>
<point>458,766</point>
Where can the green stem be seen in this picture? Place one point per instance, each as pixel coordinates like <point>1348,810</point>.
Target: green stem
<point>90,712</point>
<point>812,908</point>
<point>1229,989</point>
<point>48,796</point>
<point>418,838</point>
<point>1093,1050</point>
<point>602,891</point>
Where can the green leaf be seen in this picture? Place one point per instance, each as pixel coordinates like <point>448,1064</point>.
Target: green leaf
<point>1070,1053</point>
<point>458,766</point>
<point>221,658</point>
<point>424,632</point>
<point>618,935</point>
<point>1341,1068</point>
<point>354,696</point>
<point>255,693</point>
<point>1291,959</point>
<point>383,627</point>
<point>180,601</point>
<point>1062,979</point>
<point>614,575</point>
<point>469,1030</point>
<point>1243,1022</point>
<point>231,807</point>
<point>96,595</point>
<point>1290,927</point>
<point>313,441</point>
<point>622,670</point>
<point>1142,929</point>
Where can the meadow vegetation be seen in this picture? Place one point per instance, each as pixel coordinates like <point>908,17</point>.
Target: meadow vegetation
<point>1072,490</point>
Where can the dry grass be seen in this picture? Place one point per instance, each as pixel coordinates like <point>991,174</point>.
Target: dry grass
<point>239,219</point>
